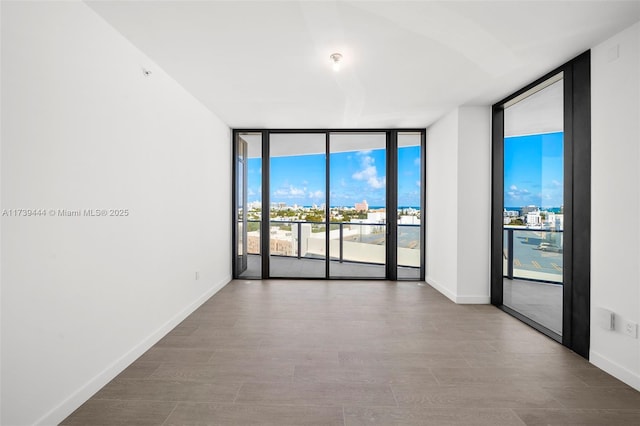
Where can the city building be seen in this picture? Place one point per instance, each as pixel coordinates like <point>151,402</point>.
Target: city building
<point>533,218</point>
<point>132,315</point>
<point>362,207</point>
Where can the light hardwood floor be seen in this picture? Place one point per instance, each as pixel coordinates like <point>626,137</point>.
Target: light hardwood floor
<point>356,353</point>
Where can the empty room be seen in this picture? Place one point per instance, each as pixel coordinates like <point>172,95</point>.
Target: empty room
<point>320,212</point>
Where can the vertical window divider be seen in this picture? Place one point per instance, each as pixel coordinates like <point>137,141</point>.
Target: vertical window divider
<point>392,205</point>
<point>234,202</point>
<point>265,240</point>
<point>327,204</point>
<point>423,203</point>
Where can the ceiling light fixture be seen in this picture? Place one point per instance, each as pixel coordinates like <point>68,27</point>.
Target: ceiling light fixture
<point>336,58</point>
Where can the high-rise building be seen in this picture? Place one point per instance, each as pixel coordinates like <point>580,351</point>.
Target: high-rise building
<point>362,207</point>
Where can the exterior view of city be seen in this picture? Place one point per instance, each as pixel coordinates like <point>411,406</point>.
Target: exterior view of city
<point>533,239</point>
<point>356,233</point>
<point>533,232</point>
<point>346,222</point>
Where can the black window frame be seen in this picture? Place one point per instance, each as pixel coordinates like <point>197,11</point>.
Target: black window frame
<point>577,204</point>
<point>391,195</point>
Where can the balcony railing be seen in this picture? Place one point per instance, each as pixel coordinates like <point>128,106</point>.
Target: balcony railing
<point>348,241</point>
<point>533,254</point>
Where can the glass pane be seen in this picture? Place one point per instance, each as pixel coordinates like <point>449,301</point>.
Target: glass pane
<point>358,205</point>
<point>533,205</point>
<point>409,214</point>
<point>297,183</point>
<point>249,201</point>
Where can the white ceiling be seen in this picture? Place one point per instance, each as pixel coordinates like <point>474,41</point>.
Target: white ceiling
<point>266,63</point>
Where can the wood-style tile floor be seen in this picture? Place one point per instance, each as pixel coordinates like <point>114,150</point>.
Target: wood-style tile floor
<point>356,353</point>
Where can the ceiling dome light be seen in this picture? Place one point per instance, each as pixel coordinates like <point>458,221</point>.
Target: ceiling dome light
<point>336,58</point>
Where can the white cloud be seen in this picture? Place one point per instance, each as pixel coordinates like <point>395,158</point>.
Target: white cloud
<point>316,194</point>
<point>417,183</point>
<point>416,162</point>
<point>369,173</point>
<point>376,182</point>
<point>290,191</point>
<point>518,194</point>
<point>366,173</point>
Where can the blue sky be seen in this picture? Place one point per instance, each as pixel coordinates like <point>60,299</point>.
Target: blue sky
<point>355,176</point>
<point>533,170</point>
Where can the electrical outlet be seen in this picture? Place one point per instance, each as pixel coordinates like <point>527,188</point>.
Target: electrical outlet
<point>630,329</point>
<point>197,275</point>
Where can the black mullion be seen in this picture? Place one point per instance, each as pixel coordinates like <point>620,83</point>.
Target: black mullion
<point>423,211</point>
<point>234,206</point>
<point>265,247</point>
<point>497,201</point>
<point>581,277</point>
<point>327,208</point>
<point>392,205</point>
<point>333,130</point>
<point>567,250</point>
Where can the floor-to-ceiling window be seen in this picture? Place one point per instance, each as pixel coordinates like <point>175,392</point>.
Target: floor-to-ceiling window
<point>358,199</point>
<point>533,204</point>
<point>541,204</point>
<point>410,205</point>
<point>248,209</point>
<point>297,208</point>
<point>336,204</point>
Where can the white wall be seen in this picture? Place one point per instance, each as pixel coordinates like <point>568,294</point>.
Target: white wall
<point>474,205</point>
<point>458,205</point>
<point>442,205</point>
<point>82,128</point>
<point>615,186</point>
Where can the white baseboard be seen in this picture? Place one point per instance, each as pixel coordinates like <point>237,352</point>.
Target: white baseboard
<point>445,291</point>
<point>477,300</point>
<point>69,405</point>
<point>615,369</point>
<point>473,300</point>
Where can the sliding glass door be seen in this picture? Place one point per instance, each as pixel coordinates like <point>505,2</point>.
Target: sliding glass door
<point>297,211</point>
<point>248,211</point>
<point>410,205</point>
<point>358,199</point>
<point>338,204</point>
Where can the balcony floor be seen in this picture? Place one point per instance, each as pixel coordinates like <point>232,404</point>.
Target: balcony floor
<point>291,267</point>
<point>541,302</point>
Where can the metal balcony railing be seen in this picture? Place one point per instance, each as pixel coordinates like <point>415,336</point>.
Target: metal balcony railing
<point>348,241</point>
<point>533,254</point>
